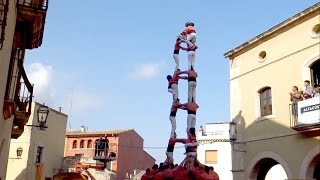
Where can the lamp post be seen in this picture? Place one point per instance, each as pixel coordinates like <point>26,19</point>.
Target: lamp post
<point>42,113</point>
<point>19,152</point>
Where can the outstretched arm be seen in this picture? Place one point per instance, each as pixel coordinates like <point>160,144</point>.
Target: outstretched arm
<point>184,160</point>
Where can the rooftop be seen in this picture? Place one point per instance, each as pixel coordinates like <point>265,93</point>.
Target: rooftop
<point>275,28</point>
<point>100,132</point>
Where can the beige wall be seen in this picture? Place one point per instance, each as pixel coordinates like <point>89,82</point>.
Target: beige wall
<point>130,157</point>
<point>289,53</point>
<point>52,139</point>
<point>5,53</point>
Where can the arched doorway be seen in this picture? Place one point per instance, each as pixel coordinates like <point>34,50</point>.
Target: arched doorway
<point>268,169</point>
<point>315,72</point>
<point>313,170</point>
<point>316,173</point>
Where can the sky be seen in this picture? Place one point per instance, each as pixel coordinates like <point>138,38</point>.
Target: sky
<point>105,62</point>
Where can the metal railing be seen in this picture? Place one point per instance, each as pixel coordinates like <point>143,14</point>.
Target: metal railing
<point>19,89</point>
<point>34,4</point>
<point>4,4</point>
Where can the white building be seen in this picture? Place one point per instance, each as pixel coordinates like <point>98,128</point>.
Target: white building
<point>215,149</point>
<point>41,149</point>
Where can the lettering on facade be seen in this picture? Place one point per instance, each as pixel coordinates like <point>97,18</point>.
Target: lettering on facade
<point>310,108</point>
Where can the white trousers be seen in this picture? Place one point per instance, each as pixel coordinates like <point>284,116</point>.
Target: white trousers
<point>191,59</point>
<point>192,91</point>
<point>191,39</point>
<point>175,91</point>
<point>176,60</point>
<point>173,125</point>
<point>191,121</point>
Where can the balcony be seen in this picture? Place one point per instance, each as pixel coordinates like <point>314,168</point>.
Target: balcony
<point>19,92</point>
<point>308,118</point>
<point>4,4</point>
<point>23,102</point>
<point>104,153</point>
<point>31,15</point>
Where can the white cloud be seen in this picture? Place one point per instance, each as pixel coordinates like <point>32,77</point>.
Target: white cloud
<point>82,101</point>
<point>146,71</point>
<point>41,76</point>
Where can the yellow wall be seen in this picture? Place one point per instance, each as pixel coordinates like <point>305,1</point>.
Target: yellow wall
<point>5,53</point>
<point>52,139</point>
<point>289,53</point>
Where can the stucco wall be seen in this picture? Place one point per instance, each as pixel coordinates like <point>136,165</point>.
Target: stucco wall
<point>5,53</point>
<point>289,53</point>
<point>51,139</point>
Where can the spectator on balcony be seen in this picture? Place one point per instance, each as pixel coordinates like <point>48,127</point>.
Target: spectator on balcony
<point>295,96</point>
<point>316,92</point>
<point>308,93</point>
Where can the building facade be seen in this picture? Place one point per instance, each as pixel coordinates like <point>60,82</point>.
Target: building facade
<point>43,148</point>
<point>127,144</point>
<point>262,73</point>
<point>21,27</point>
<point>214,148</point>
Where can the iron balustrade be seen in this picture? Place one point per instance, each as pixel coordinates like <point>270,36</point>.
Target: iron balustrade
<point>34,4</point>
<point>4,6</point>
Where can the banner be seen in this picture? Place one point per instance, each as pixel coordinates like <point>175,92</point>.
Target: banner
<point>309,111</point>
<point>39,169</point>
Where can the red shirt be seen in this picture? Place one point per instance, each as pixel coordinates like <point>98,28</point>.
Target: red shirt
<point>177,46</point>
<point>188,30</point>
<point>180,174</point>
<point>146,177</point>
<point>192,74</point>
<point>174,107</point>
<point>175,78</point>
<point>159,176</point>
<point>214,175</point>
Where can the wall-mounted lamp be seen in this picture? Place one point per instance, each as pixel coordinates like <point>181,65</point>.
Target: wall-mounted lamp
<point>42,113</point>
<point>233,136</point>
<point>233,131</point>
<point>19,152</point>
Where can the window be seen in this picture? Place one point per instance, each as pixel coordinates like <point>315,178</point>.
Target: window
<point>39,154</point>
<point>211,157</point>
<point>82,144</point>
<point>315,73</point>
<point>74,144</point>
<point>265,101</point>
<point>89,145</point>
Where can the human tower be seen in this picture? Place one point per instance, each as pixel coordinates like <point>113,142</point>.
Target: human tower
<point>188,37</point>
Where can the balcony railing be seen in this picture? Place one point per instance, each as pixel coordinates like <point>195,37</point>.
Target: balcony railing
<point>30,22</point>
<point>34,4</point>
<point>105,152</point>
<point>4,4</point>
<point>308,115</point>
<point>23,102</point>
<point>13,83</point>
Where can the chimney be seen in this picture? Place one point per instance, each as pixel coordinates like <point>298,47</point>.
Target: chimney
<point>83,129</point>
<point>60,109</point>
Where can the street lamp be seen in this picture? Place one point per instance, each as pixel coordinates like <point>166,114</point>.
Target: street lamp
<point>42,113</point>
<point>233,131</point>
<point>19,152</point>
